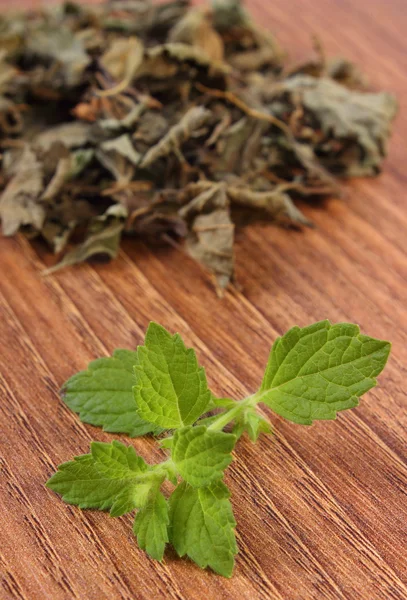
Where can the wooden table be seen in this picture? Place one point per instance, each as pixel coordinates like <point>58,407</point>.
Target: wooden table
<point>321,511</point>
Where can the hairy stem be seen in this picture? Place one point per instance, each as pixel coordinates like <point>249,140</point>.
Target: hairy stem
<point>230,415</point>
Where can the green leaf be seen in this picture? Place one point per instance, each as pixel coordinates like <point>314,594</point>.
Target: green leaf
<point>171,389</point>
<point>316,371</point>
<point>113,477</point>
<point>202,526</point>
<point>253,423</point>
<point>103,395</point>
<point>201,455</point>
<point>151,526</point>
<point>222,402</point>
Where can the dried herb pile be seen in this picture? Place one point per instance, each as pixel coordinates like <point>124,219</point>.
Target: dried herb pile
<point>171,123</point>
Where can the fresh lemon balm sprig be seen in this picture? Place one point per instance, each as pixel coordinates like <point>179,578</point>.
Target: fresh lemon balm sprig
<point>312,373</point>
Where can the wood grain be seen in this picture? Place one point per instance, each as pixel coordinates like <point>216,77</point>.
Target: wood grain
<point>321,511</point>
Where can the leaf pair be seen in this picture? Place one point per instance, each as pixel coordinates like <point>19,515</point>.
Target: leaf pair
<point>170,389</point>
<point>113,477</point>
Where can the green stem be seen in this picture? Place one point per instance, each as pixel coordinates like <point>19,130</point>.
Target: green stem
<point>230,415</point>
<point>164,467</point>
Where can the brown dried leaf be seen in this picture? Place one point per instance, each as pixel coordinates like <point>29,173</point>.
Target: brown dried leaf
<point>192,120</point>
<point>103,239</point>
<point>71,135</point>
<point>208,197</point>
<point>62,218</point>
<point>196,29</point>
<point>119,157</point>
<point>166,60</point>
<point>276,203</point>
<point>123,146</point>
<point>19,203</point>
<point>210,242</point>
<point>343,114</point>
<point>61,175</point>
<point>65,48</point>
<point>211,235</point>
<point>123,60</point>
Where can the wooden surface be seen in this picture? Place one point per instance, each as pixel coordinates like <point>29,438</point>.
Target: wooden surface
<point>321,511</point>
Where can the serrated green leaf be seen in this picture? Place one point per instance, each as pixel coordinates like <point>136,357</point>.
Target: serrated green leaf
<point>116,460</point>
<point>151,526</point>
<point>314,372</point>
<point>171,389</point>
<point>202,526</point>
<point>103,395</point>
<point>201,455</point>
<point>113,477</point>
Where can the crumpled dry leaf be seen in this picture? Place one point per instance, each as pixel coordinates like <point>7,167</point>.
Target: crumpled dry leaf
<point>119,157</point>
<point>123,59</point>
<point>61,175</point>
<point>346,73</point>
<point>71,135</point>
<point>69,166</point>
<point>167,60</point>
<point>206,196</point>
<point>276,202</point>
<point>65,214</point>
<point>239,145</point>
<point>211,235</point>
<point>349,116</point>
<point>256,48</point>
<point>229,14</point>
<point>151,128</point>
<point>63,46</point>
<point>194,119</point>
<point>19,203</point>
<point>197,30</point>
<point>122,145</point>
<point>126,122</point>
<point>102,239</point>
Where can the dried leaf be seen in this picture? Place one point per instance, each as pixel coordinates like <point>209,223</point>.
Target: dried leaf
<point>210,242</point>
<point>119,157</point>
<point>276,202</point>
<point>122,145</point>
<point>71,135</point>
<point>208,196</point>
<point>196,29</point>
<point>167,60</point>
<point>63,46</point>
<point>194,119</point>
<point>103,239</point>
<point>123,59</point>
<point>19,204</point>
<point>211,236</point>
<point>61,175</point>
<point>348,116</point>
<point>127,122</point>
<point>62,218</point>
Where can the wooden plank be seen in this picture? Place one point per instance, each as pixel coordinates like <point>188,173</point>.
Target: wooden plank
<point>321,511</point>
